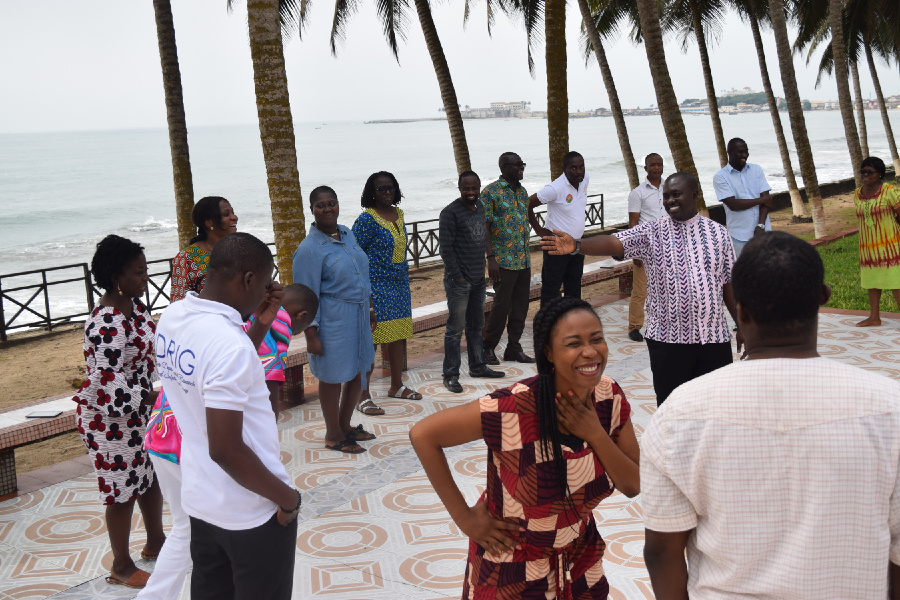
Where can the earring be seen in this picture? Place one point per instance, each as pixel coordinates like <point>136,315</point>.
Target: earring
<point>118,289</point>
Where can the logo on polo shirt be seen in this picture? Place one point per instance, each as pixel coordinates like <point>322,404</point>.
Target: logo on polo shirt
<point>569,199</point>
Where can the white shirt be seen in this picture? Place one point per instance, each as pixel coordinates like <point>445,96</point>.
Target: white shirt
<point>647,199</point>
<point>789,472</point>
<point>565,205</point>
<point>205,360</point>
<point>743,185</point>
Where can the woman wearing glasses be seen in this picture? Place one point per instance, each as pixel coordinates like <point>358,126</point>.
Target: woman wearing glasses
<point>381,233</point>
<point>878,211</point>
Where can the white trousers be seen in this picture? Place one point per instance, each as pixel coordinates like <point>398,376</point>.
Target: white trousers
<point>175,558</point>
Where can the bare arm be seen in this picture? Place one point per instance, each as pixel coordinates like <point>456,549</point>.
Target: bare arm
<point>728,299</point>
<point>633,219</point>
<point>493,267</point>
<point>533,203</point>
<point>265,314</point>
<point>743,204</point>
<point>598,245</point>
<point>228,450</point>
<point>895,581</point>
<point>664,557</point>
<point>448,428</point>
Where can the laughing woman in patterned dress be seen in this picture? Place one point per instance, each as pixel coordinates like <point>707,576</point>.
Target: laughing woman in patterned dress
<point>214,219</point>
<point>114,402</point>
<point>381,233</point>
<point>532,533</point>
<point>878,211</point>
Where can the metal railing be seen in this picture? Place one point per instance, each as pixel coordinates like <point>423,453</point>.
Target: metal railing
<point>26,295</point>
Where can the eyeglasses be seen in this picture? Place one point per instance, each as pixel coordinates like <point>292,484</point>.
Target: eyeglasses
<point>385,189</point>
<point>519,164</point>
<point>867,171</point>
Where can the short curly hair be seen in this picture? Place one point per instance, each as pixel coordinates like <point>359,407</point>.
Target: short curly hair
<point>874,162</point>
<point>368,194</point>
<point>112,255</point>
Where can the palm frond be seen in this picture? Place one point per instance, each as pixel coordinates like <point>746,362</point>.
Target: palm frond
<point>294,16</point>
<point>343,11</point>
<point>394,22</point>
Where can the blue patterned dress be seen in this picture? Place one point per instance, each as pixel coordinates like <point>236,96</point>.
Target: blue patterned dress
<point>385,245</point>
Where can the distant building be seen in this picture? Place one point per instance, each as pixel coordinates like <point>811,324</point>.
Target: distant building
<point>816,105</point>
<point>734,92</point>
<point>499,110</point>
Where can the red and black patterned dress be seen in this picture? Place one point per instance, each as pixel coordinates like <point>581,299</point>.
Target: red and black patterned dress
<point>560,535</point>
<point>110,416</point>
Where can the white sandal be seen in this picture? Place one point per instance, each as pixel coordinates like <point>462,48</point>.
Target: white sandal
<point>412,394</point>
<point>369,408</point>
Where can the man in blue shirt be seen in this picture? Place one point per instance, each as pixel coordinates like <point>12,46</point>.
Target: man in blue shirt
<point>743,190</point>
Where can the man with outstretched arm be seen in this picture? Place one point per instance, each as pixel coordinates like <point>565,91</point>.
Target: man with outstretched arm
<point>235,489</point>
<point>779,474</point>
<point>688,259</point>
<point>742,189</point>
<point>566,200</point>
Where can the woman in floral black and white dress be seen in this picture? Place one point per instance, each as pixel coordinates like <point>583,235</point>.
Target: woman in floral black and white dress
<point>114,402</point>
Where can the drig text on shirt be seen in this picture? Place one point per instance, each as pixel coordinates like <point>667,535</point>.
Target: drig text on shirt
<point>174,363</point>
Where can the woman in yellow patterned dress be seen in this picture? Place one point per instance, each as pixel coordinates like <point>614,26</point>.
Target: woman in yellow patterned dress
<point>878,210</point>
<point>381,233</point>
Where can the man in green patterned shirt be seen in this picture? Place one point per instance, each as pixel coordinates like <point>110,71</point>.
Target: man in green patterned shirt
<point>509,260</point>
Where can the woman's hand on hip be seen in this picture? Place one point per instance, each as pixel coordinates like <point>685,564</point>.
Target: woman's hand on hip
<point>486,531</point>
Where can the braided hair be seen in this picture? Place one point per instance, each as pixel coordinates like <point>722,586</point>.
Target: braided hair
<point>545,399</point>
<point>112,255</point>
<point>206,209</point>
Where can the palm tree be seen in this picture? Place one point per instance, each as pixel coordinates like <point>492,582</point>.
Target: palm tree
<point>557,85</point>
<point>695,17</point>
<point>860,108</point>
<point>879,94</point>
<point>393,19</point>
<point>749,10</point>
<point>665,94</point>
<point>178,144</point>
<point>276,126</point>
<point>595,43</point>
<point>841,76</point>
<point>795,112</point>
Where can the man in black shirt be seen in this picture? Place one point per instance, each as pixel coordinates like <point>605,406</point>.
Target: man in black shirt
<point>462,231</point>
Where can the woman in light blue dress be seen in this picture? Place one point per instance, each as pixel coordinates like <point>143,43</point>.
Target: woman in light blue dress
<point>339,340</point>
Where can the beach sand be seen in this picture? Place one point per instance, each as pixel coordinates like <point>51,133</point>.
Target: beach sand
<point>38,364</point>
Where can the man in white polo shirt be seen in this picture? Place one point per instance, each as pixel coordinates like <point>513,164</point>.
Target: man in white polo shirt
<point>742,189</point>
<point>566,199</point>
<point>235,489</point>
<point>645,204</point>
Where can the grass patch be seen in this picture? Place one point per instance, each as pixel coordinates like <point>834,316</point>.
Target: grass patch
<point>841,260</point>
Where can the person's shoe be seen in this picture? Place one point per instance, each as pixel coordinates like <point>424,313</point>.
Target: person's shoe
<point>452,384</point>
<point>490,357</point>
<point>635,335</point>
<point>517,357</point>
<point>487,373</point>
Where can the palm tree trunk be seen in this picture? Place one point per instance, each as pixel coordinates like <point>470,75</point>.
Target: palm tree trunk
<point>710,87</point>
<point>892,143</point>
<point>860,110</point>
<point>669,111</point>
<point>795,112</point>
<point>178,142</point>
<point>445,82</point>
<point>799,210</point>
<point>557,86</point>
<point>276,130</point>
<point>842,78</point>
<point>615,107</point>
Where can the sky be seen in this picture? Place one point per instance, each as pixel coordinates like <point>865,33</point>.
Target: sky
<point>94,64</point>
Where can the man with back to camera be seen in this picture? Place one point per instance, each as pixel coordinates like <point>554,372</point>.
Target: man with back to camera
<point>235,489</point>
<point>645,203</point>
<point>505,204</point>
<point>688,260</point>
<point>779,474</point>
<point>742,189</point>
<point>462,230</point>
<point>566,200</point>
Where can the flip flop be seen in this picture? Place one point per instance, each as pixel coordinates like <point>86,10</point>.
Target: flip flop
<point>358,434</point>
<point>369,408</point>
<point>138,580</point>
<point>413,395</point>
<point>342,445</point>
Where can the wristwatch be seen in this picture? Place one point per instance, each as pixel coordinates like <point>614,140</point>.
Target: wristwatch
<point>577,247</point>
<point>760,225</point>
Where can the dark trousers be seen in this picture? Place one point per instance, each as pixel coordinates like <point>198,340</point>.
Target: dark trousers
<point>510,309</point>
<point>674,364</point>
<point>249,564</point>
<point>465,302</point>
<point>561,271</point>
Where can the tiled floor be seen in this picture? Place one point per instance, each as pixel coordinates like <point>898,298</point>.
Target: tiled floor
<point>371,525</point>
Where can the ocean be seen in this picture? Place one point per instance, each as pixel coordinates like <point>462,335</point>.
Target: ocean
<point>60,193</point>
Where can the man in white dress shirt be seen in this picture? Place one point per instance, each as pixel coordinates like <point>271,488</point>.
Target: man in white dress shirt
<point>566,200</point>
<point>645,203</point>
<point>779,474</point>
<point>742,189</point>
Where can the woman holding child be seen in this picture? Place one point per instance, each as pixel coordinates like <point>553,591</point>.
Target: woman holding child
<point>558,444</point>
<point>339,340</point>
